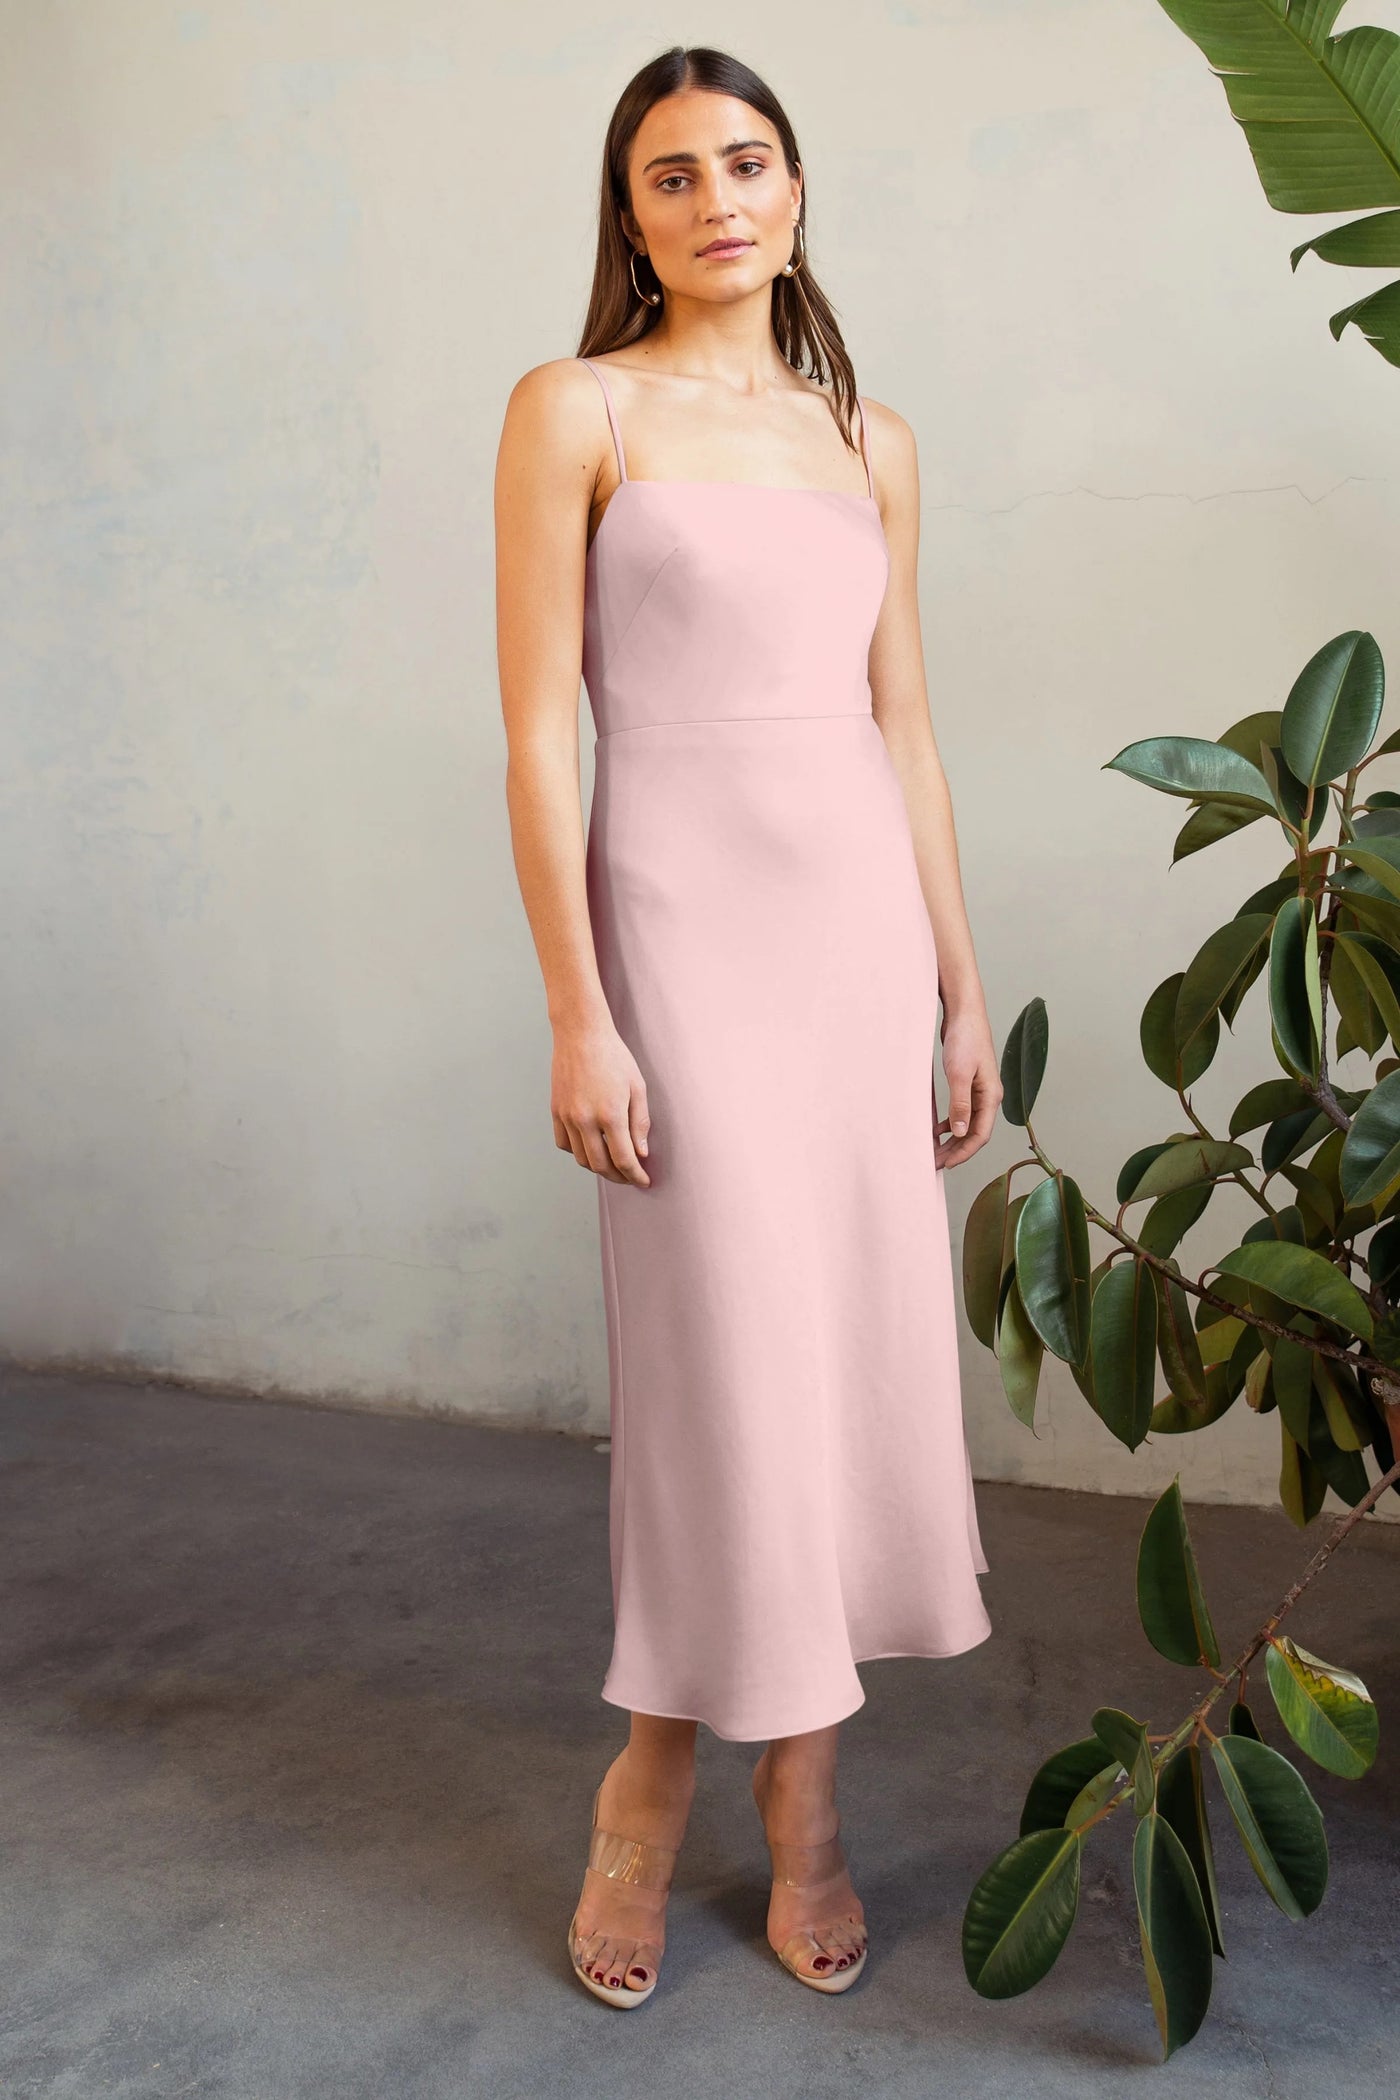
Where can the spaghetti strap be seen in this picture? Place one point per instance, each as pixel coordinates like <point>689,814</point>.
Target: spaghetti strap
<point>612,416</point>
<point>865,445</point>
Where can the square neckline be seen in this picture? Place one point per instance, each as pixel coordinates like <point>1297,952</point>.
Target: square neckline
<point>771,488</point>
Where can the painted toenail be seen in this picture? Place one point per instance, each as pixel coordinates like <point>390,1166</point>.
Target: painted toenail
<point>823,1961</point>
<point>639,1972</point>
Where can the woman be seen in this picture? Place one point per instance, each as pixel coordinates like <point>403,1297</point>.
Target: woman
<point>743,966</point>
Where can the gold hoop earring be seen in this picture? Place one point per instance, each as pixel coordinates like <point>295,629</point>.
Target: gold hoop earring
<point>648,298</point>
<point>794,263</point>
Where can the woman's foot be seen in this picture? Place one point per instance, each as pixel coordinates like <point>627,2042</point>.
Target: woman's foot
<point>816,1928</point>
<point>620,1926</point>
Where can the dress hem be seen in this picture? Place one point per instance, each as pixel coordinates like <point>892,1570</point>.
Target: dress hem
<point>728,1735</point>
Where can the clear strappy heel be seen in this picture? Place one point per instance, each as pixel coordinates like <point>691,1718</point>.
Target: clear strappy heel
<point>834,1946</point>
<point>839,1940</point>
<point>645,1866</point>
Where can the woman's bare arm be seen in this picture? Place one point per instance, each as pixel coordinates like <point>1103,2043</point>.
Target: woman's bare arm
<point>899,695</point>
<point>547,472</point>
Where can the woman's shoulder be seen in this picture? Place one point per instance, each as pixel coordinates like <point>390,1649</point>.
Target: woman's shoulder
<point>558,381</point>
<point>558,405</point>
<point>888,427</point>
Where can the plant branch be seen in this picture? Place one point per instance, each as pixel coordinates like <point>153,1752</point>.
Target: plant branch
<point>1317,1343</point>
<point>1171,1743</point>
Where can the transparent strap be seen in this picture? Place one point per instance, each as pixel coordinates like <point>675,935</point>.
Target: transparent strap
<point>814,1868</point>
<point>631,1859</point>
<point>802,1866</point>
<point>865,444</point>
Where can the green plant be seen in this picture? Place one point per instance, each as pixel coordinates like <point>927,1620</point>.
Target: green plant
<point>1321,115</point>
<point>1298,1320</point>
<point>1285,1321</point>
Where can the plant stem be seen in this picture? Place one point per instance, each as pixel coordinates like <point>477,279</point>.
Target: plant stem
<point>1196,1718</point>
<point>1321,1347</point>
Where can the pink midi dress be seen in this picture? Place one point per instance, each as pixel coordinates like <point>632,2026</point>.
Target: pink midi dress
<point>790,1488</point>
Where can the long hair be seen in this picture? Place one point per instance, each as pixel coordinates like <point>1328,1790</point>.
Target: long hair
<point>804,323</point>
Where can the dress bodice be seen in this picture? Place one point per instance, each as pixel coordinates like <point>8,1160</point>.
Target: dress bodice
<point>715,600</point>
<point>723,601</point>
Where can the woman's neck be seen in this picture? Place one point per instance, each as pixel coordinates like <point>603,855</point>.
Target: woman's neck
<point>733,345</point>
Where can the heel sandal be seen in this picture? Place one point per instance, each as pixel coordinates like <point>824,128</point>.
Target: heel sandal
<point>645,1866</point>
<point>841,1939</point>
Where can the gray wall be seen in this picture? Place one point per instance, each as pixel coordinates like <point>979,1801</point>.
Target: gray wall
<point>275,1107</point>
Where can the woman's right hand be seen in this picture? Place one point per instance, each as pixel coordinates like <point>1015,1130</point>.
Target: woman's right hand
<point>598,1098</point>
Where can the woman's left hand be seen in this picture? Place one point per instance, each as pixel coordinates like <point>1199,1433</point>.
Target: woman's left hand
<point>974,1086</point>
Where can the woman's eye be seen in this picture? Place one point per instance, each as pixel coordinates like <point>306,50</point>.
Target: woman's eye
<point>667,180</point>
<point>756,165</point>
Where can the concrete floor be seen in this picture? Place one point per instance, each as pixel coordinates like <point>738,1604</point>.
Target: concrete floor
<point>300,1725</point>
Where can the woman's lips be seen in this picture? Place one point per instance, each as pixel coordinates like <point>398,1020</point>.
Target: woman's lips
<point>726,248</point>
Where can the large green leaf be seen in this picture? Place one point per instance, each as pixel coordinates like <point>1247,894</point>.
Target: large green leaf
<point>1302,1485</point>
<point>1334,709</point>
<point>1157,1034</point>
<point>1020,1352</point>
<point>1344,1470</point>
<point>1332,98</point>
<point>1023,1061</point>
<point>1365,244</point>
<point>1194,767</point>
<point>1242,1721</point>
<point>988,1237</point>
<point>1176,1942</point>
<point>1123,1350</point>
<point>1181,1799</point>
<point>1302,1277</point>
<point>1293,1386</point>
<point>1266,1102</point>
<point>1370,1163</point>
<point>1052,1266</point>
<point>1378,967</point>
<point>1126,1739</point>
<point>1094,1796</point>
<point>1348,1423</point>
<point>1171,1218</point>
<point>1362,1025</point>
<point>1178,1344</point>
<point>1171,1602</point>
<point>1279,1823</point>
<point>1182,1162</point>
<point>1217,969</point>
<point>1328,1711</point>
<point>1377,857</point>
<point>1295,988</point>
<point>1175,1417</point>
<point>1019,1914</point>
<point>1206,827</point>
<point>1377,315</point>
<point>1380,914</point>
<point>1319,114</point>
<point>1060,1781</point>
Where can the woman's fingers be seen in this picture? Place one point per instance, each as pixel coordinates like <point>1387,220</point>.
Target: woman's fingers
<point>602,1146</point>
<point>624,1155</point>
<point>596,1154</point>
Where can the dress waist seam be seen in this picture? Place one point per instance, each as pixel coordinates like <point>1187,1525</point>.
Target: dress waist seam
<point>843,714</point>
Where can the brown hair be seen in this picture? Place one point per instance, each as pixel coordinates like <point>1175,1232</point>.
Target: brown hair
<point>804,323</point>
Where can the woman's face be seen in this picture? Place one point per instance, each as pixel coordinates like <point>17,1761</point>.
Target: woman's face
<point>713,204</point>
